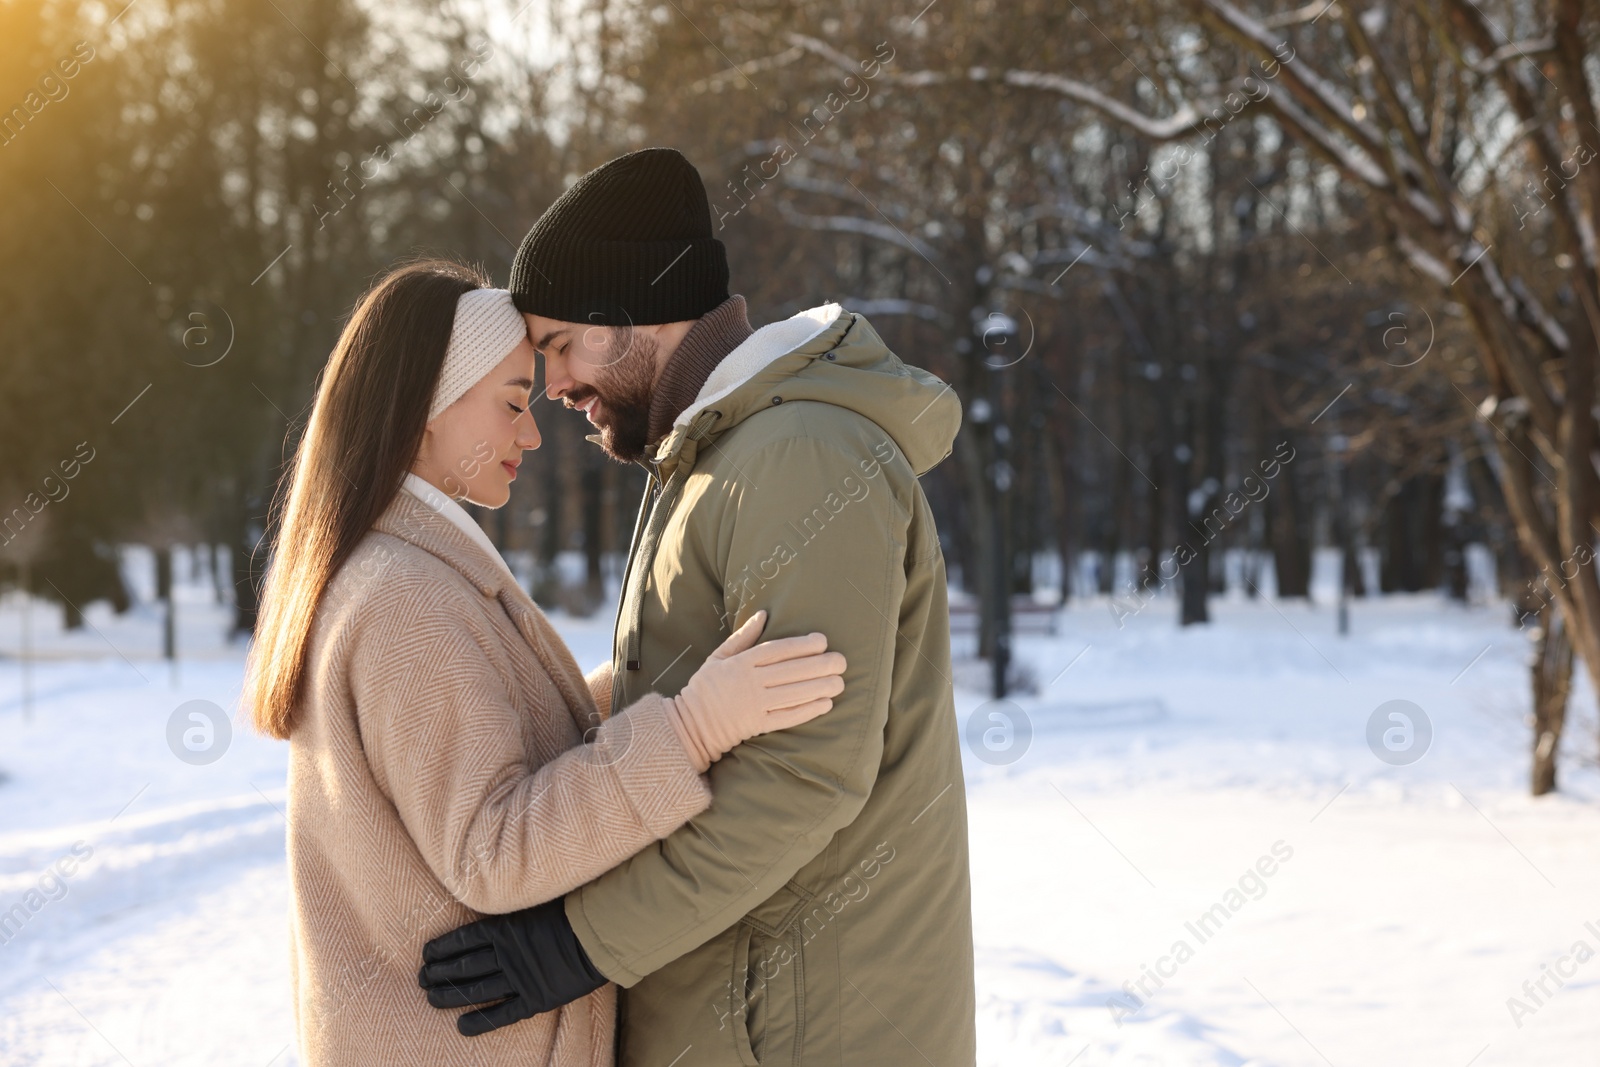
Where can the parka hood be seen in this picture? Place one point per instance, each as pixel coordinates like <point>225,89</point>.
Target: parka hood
<point>833,356</point>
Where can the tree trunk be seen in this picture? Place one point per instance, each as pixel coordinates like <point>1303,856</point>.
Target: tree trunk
<point>247,577</point>
<point>1454,562</point>
<point>978,573</point>
<point>546,582</point>
<point>1552,682</point>
<point>26,581</point>
<point>1195,576</point>
<point>1195,580</point>
<point>594,582</point>
<point>169,639</point>
<point>1291,548</point>
<point>1411,536</point>
<point>218,587</point>
<point>1574,600</point>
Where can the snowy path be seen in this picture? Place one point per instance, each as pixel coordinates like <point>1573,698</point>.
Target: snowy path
<point>1417,899</point>
<point>1163,767</point>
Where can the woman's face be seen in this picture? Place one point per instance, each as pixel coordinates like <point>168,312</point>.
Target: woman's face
<point>472,449</point>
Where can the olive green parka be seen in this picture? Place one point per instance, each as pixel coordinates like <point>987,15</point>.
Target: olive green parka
<point>820,912</point>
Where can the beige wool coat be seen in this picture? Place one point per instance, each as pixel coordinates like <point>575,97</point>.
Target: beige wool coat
<point>450,760</point>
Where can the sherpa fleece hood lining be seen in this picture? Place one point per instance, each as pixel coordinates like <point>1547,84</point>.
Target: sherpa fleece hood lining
<point>758,351</point>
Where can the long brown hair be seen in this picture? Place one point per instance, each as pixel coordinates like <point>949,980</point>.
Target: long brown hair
<point>365,429</point>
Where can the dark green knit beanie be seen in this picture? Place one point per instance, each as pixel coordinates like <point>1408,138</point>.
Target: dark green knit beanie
<point>629,243</point>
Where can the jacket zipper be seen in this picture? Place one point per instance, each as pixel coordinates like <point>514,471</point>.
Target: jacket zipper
<point>653,515</point>
<point>646,507</point>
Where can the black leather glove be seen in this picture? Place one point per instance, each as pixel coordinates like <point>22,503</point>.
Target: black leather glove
<point>530,960</point>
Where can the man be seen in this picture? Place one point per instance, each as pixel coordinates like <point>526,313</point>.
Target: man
<point>819,912</point>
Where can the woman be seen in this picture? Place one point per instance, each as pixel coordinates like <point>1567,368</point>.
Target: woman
<point>447,757</point>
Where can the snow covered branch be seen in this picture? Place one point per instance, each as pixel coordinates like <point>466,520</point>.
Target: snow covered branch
<point>744,70</point>
<point>1185,121</point>
<point>1513,50</point>
<point>883,231</point>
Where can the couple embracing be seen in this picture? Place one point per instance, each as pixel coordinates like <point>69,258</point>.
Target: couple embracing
<point>743,840</point>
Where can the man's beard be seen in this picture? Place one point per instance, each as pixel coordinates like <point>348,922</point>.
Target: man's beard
<point>625,389</point>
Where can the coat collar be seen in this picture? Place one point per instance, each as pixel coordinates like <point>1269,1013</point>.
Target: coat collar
<point>454,512</point>
<point>719,332</point>
<point>415,523</point>
<point>803,337</point>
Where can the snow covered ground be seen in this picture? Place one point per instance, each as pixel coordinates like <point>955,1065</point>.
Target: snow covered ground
<point>1199,809</point>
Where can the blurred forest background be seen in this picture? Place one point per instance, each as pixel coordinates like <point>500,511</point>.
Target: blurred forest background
<point>1218,285</point>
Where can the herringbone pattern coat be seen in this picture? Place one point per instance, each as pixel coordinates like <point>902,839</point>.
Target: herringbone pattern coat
<point>438,770</point>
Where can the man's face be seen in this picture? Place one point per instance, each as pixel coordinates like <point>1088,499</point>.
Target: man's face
<point>607,372</point>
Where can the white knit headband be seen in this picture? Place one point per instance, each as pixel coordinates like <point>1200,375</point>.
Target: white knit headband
<point>487,327</point>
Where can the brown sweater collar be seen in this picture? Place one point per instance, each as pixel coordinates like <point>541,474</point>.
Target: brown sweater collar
<point>721,330</point>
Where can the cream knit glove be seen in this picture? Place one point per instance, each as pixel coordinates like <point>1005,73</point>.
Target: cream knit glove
<point>742,691</point>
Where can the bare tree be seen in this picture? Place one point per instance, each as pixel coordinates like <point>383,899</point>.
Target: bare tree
<point>1421,108</point>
